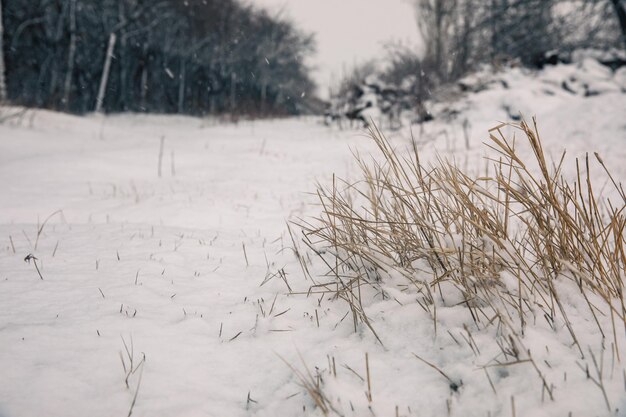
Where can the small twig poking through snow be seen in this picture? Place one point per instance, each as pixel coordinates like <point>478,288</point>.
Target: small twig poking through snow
<point>41,227</point>
<point>513,406</point>
<point>173,165</point>
<point>128,362</point>
<point>27,238</point>
<point>132,405</point>
<point>249,400</point>
<point>313,385</point>
<point>31,257</point>
<point>599,382</point>
<point>243,245</point>
<point>160,156</point>
<point>454,386</point>
<point>369,383</point>
<point>608,173</point>
<point>466,132</point>
<point>235,336</point>
<point>493,388</point>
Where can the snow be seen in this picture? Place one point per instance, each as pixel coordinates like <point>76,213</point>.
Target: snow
<point>187,268</point>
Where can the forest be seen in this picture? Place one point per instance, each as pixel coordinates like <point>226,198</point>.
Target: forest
<point>229,57</point>
<point>168,56</point>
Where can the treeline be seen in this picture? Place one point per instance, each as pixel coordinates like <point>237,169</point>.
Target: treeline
<point>184,56</point>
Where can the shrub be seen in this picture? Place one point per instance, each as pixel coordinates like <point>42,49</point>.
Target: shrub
<point>508,245</point>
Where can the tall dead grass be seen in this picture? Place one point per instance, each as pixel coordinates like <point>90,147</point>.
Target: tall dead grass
<point>508,243</point>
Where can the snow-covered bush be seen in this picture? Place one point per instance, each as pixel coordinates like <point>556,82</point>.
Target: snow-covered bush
<point>371,99</point>
<point>388,96</point>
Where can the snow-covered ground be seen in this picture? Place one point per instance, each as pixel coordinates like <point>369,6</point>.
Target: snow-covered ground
<point>194,272</point>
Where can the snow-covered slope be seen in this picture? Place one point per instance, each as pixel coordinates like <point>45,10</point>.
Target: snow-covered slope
<point>194,271</point>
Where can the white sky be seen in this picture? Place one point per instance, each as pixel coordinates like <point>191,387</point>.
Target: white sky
<point>348,31</point>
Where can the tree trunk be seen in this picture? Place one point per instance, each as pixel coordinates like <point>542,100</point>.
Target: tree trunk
<point>263,96</point>
<point>181,87</point>
<point>54,54</point>
<point>438,37</point>
<point>124,72</point>
<point>233,91</point>
<point>121,59</point>
<point>70,58</point>
<point>3,85</point>
<point>494,30</point>
<point>144,87</point>
<point>105,73</point>
<point>620,10</point>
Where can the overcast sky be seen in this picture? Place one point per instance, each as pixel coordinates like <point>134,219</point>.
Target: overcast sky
<point>348,31</point>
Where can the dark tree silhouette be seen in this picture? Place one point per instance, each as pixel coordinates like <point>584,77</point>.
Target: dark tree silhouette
<point>193,56</point>
<point>620,11</point>
<point>3,85</point>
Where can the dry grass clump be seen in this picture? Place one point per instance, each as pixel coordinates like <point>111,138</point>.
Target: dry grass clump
<point>507,243</point>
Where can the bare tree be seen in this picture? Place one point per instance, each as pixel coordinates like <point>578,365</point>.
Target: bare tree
<point>3,85</point>
<point>71,55</point>
<point>436,20</point>
<point>620,11</point>
<point>104,80</point>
